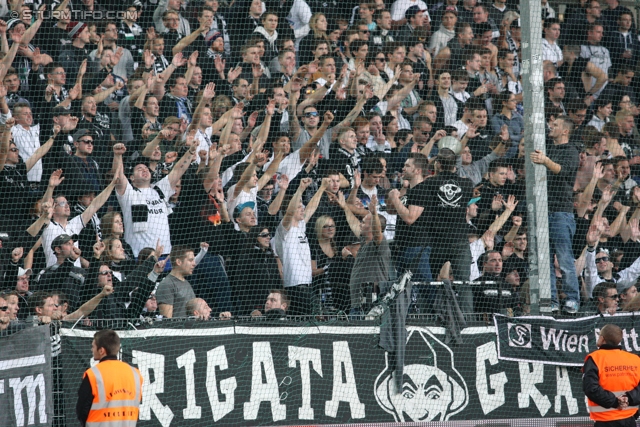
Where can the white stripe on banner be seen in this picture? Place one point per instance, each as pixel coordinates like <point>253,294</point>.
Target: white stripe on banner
<point>250,330</point>
<point>22,362</point>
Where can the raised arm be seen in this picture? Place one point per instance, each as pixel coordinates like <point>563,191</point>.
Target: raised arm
<point>186,41</point>
<point>354,223</point>
<point>402,93</point>
<point>207,95</point>
<point>4,145</point>
<point>42,150</point>
<point>183,164</point>
<point>315,200</point>
<point>376,227</point>
<point>88,307</point>
<point>271,170</point>
<point>118,167</point>
<point>100,200</point>
<point>312,143</point>
<point>509,207</point>
<point>294,203</point>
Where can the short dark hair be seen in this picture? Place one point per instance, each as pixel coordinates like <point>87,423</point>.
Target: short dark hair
<point>372,165</point>
<point>600,291</point>
<point>420,161</point>
<point>109,340</point>
<point>179,252</point>
<point>284,299</point>
<point>497,164</point>
<point>550,21</point>
<point>37,300</point>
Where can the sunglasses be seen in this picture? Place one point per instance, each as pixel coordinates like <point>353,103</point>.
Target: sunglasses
<point>328,227</point>
<point>381,59</point>
<point>86,141</point>
<point>264,235</point>
<point>106,272</point>
<point>603,259</point>
<point>616,296</point>
<point>4,308</point>
<point>311,114</point>
<point>363,31</point>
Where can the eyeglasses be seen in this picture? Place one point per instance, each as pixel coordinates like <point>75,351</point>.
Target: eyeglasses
<point>4,308</point>
<point>603,259</point>
<point>381,59</point>
<point>62,204</point>
<point>328,227</point>
<point>364,31</point>
<point>311,114</point>
<point>86,141</point>
<point>267,234</point>
<point>106,272</point>
<point>616,296</point>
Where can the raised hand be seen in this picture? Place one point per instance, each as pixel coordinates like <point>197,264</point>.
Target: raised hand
<point>193,59</point>
<point>593,235</point>
<point>497,202</point>
<point>283,182</point>
<point>489,239</point>
<point>119,149</point>
<point>507,250</point>
<point>511,203</point>
<point>209,91</point>
<point>234,73</point>
<point>159,249</point>
<point>306,182</point>
<point>178,60</point>
<point>16,254</point>
<point>56,178</point>
<point>148,58</point>
<point>107,290</point>
<point>328,117</point>
<point>517,221</point>
<point>634,225</point>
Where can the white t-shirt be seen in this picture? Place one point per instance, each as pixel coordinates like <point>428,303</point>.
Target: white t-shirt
<point>204,143</point>
<point>551,52</point>
<point>399,7</point>
<point>477,249</point>
<point>157,222</point>
<point>243,197</point>
<point>53,230</point>
<point>291,165</point>
<point>293,249</point>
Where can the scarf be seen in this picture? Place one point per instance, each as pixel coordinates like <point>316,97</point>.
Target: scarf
<point>270,38</point>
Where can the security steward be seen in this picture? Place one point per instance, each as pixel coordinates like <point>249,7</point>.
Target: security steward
<point>610,380</point>
<point>111,391</point>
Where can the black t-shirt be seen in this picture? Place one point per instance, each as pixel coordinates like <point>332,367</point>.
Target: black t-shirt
<point>560,186</point>
<point>447,197</point>
<point>14,188</point>
<point>416,234</point>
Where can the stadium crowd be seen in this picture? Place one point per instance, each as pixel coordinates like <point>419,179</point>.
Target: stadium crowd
<point>205,158</point>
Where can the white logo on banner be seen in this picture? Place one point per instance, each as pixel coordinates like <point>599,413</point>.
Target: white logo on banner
<point>519,335</point>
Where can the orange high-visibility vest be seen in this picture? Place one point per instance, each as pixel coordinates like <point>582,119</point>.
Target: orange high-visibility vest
<point>117,391</point>
<point>619,372</point>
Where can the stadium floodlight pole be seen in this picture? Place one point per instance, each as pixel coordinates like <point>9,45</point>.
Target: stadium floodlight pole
<point>536,175</point>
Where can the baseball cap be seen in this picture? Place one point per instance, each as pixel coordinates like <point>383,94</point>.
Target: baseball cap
<point>24,272</point>
<point>79,134</point>
<point>624,285</point>
<point>412,11</point>
<point>61,240</point>
<point>474,200</point>
<point>238,210</point>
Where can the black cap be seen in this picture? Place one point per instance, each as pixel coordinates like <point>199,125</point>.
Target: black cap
<point>61,240</point>
<point>82,132</point>
<point>412,11</point>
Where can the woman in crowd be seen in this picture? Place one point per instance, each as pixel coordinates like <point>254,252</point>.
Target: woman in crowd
<point>331,267</point>
<point>112,227</point>
<point>318,31</point>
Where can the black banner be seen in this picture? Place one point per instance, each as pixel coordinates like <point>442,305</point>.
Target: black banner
<point>563,342</point>
<point>26,389</point>
<point>234,375</point>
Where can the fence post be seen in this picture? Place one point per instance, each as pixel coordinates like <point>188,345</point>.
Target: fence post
<point>536,175</point>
